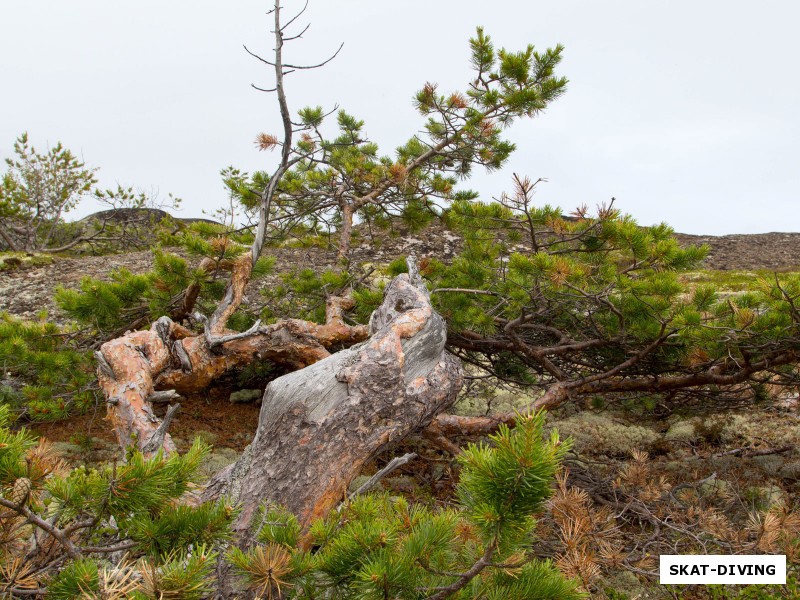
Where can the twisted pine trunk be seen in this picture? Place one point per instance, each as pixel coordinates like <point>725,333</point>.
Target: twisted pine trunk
<point>170,357</point>
<point>318,426</point>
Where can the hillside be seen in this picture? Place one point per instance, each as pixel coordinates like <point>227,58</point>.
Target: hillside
<point>686,471</point>
<point>28,289</point>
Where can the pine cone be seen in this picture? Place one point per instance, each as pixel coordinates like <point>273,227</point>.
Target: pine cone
<point>21,491</point>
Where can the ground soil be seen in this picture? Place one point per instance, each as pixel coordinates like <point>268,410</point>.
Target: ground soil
<point>219,422</point>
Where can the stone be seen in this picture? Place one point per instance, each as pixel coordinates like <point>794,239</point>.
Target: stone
<point>243,396</point>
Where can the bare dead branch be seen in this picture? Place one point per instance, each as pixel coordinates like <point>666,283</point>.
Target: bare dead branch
<point>163,396</point>
<point>297,36</point>
<point>156,440</point>
<point>316,66</point>
<point>394,464</point>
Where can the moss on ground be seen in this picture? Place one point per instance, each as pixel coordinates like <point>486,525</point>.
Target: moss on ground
<point>22,260</point>
<point>595,433</point>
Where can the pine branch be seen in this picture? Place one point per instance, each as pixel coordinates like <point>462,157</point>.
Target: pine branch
<point>33,519</point>
<point>466,577</point>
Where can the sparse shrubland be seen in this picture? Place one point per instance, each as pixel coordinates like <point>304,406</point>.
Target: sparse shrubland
<point>677,386</point>
<point>39,189</point>
<point>45,375</point>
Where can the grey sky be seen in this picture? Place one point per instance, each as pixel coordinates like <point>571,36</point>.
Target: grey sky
<point>686,112</point>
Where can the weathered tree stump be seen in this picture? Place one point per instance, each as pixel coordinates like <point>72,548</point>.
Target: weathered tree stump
<point>318,426</point>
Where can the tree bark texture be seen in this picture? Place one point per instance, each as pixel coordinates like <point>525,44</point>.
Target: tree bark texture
<point>318,426</point>
<point>171,357</point>
<point>127,367</point>
<point>346,233</point>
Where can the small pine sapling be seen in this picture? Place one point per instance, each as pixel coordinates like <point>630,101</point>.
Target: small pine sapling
<point>68,524</point>
<point>379,546</point>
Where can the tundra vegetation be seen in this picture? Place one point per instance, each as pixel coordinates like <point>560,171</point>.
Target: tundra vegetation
<point>678,399</point>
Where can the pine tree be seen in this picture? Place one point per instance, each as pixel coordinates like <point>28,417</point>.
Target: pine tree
<point>46,375</point>
<point>594,305</point>
<point>590,305</point>
<point>334,180</point>
<point>69,524</point>
<point>378,546</point>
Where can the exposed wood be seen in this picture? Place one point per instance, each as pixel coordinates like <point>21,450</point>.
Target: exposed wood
<point>394,464</point>
<point>320,425</point>
<point>156,440</point>
<point>126,376</point>
<point>170,357</point>
<point>163,396</point>
<point>240,276</point>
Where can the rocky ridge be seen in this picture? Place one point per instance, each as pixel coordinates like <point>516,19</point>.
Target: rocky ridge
<point>28,289</point>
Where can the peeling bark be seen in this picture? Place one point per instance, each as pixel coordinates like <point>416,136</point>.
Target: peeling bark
<point>127,368</point>
<point>240,276</point>
<point>402,364</point>
<point>320,425</point>
<point>346,232</point>
<point>171,357</point>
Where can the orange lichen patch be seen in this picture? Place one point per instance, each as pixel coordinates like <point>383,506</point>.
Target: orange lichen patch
<point>335,493</point>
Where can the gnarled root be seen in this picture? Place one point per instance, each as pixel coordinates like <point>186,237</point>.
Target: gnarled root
<point>169,356</point>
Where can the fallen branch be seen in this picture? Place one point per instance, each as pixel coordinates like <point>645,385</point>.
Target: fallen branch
<point>156,439</point>
<point>163,396</point>
<point>394,464</point>
<point>747,452</point>
<point>175,360</point>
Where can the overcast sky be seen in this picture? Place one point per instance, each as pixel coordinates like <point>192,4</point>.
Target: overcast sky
<point>686,112</point>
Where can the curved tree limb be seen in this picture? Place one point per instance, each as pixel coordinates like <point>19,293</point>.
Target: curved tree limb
<point>170,357</point>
